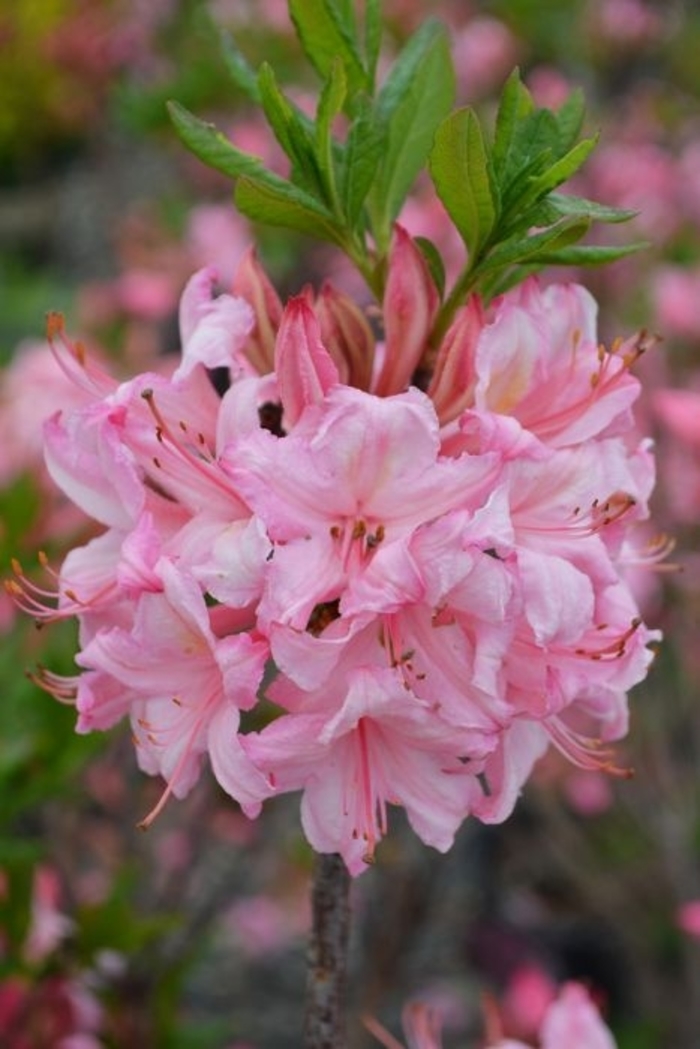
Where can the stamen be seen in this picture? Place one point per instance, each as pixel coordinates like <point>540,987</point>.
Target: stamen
<point>601,381</point>
<point>652,555</point>
<point>191,736</point>
<point>198,457</point>
<point>583,751</point>
<point>369,801</point>
<point>50,606</point>
<point>615,649</point>
<point>598,517</point>
<point>73,360</point>
<point>62,688</point>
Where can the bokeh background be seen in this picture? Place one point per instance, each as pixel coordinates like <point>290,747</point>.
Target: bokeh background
<point>193,935</point>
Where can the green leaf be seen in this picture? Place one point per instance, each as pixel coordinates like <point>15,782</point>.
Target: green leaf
<point>514,106</point>
<point>212,147</point>
<point>363,150</point>
<point>459,166</point>
<point>566,231</point>
<point>569,118</point>
<point>329,105</point>
<point>567,204</point>
<point>289,131</point>
<point>589,254</point>
<point>238,69</point>
<point>414,99</point>
<point>434,260</point>
<point>562,169</point>
<point>280,202</point>
<point>535,143</point>
<point>373,36</point>
<point>289,206</point>
<point>325,35</point>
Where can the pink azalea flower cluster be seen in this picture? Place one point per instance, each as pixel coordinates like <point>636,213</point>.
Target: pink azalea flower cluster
<point>379,573</point>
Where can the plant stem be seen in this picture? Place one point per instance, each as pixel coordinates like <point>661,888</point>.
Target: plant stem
<point>325,988</point>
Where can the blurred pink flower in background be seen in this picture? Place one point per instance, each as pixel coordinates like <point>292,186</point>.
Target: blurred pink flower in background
<point>569,1021</point>
<point>264,924</point>
<point>678,413</point>
<point>48,925</point>
<point>524,1003</point>
<point>675,293</point>
<point>688,918</point>
<point>484,52</point>
<point>626,23</point>
<point>641,175</point>
<point>31,387</point>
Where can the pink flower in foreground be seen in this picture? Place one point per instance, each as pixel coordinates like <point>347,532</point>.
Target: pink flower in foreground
<point>429,585</point>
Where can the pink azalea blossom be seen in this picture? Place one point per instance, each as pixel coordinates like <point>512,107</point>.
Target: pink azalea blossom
<point>430,584</point>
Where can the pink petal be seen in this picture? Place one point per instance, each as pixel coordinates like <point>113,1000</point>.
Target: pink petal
<point>573,1020</point>
<point>409,307</point>
<point>213,330</point>
<point>87,459</point>
<point>234,770</point>
<point>305,370</point>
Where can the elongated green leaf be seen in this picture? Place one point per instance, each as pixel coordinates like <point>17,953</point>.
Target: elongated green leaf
<point>534,147</point>
<point>289,131</point>
<point>589,254</point>
<point>344,11</point>
<point>567,204</point>
<point>260,193</point>
<point>567,231</point>
<point>325,35</point>
<point>417,95</point>
<point>459,166</point>
<point>238,69</point>
<point>329,105</point>
<point>514,105</point>
<point>362,153</point>
<point>434,260</point>
<point>569,118</point>
<point>562,169</point>
<point>211,146</point>
<point>514,197</point>
<point>408,64</point>
<point>286,206</point>
<point>373,37</point>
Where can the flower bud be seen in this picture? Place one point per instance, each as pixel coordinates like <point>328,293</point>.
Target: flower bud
<point>409,308</point>
<point>454,378</point>
<point>305,370</point>
<point>347,335</point>
<point>252,284</point>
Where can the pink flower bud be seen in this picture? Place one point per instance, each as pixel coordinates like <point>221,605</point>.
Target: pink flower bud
<point>454,377</point>
<point>409,307</point>
<point>305,370</point>
<point>252,284</point>
<point>347,335</point>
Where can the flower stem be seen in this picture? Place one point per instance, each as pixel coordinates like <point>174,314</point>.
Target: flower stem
<point>328,948</point>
